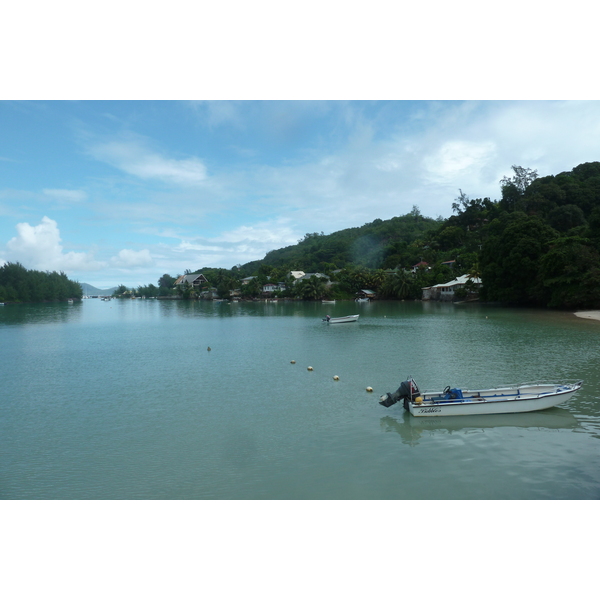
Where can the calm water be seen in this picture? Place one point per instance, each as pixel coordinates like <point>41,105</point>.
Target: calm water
<point>123,400</point>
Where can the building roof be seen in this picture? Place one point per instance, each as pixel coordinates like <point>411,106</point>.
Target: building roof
<point>190,278</point>
<point>458,281</point>
<point>309,275</point>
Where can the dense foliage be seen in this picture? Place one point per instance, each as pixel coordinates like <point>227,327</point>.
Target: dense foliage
<point>538,245</point>
<point>380,244</point>
<point>18,284</point>
<point>543,248</point>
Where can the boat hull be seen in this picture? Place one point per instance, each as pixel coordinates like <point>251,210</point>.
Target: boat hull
<point>521,400</point>
<point>348,319</point>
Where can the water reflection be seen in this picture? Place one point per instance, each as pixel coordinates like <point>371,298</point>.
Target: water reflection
<point>412,428</point>
<point>40,313</point>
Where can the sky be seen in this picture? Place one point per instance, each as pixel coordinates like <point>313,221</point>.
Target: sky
<point>121,192</point>
<point>171,140</point>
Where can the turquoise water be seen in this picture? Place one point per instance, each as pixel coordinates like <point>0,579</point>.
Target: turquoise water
<point>123,400</point>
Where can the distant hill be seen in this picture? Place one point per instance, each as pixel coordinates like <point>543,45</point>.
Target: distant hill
<point>90,290</point>
<point>376,245</point>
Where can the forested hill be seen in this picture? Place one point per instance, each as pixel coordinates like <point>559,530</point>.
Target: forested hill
<point>538,245</point>
<point>376,245</point>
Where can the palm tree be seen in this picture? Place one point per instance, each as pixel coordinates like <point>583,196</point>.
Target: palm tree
<point>403,283</point>
<point>397,285</point>
<point>474,271</point>
<point>312,289</point>
<point>376,278</point>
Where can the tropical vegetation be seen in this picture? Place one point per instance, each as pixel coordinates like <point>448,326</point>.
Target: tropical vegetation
<point>538,245</point>
<point>18,284</point>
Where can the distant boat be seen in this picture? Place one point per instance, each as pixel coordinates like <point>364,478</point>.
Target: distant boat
<point>328,301</point>
<point>526,397</point>
<point>347,319</point>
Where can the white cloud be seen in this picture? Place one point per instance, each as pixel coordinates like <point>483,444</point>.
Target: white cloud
<point>39,247</point>
<point>132,258</point>
<point>134,156</point>
<point>240,245</point>
<point>66,196</point>
<point>265,233</point>
<point>456,159</point>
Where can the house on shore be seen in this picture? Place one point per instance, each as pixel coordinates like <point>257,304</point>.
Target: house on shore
<point>269,288</point>
<point>365,295</point>
<point>194,279</point>
<point>306,276</point>
<point>445,292</point>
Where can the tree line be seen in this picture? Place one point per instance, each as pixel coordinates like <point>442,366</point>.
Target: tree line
<point>18,284</point>
<point>537,245</point>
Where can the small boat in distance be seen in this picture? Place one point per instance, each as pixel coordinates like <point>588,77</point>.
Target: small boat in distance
<point>347,319</point>
<point>526,397</point>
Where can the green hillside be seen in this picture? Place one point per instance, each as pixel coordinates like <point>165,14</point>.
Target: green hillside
<point>538,245</point>
<point>376,245</point>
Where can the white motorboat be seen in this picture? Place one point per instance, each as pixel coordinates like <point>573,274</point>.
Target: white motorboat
<point>526,397</point>
<point>347,319</point>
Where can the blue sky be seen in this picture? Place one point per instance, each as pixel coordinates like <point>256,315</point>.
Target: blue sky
<point>123,191</point>
<point>312,117</point>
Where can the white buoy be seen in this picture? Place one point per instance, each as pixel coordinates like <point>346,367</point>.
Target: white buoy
<point>309,368</point>
<point>293,362</point>
<point>336,378</point>
<point>369,389</point>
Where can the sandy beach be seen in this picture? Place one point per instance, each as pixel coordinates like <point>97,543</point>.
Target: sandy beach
<point>589,314</point>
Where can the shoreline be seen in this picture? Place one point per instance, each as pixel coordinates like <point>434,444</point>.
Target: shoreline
<point>588,314</point>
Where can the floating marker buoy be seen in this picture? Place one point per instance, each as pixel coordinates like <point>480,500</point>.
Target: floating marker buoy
<point>309,368</point>
<point>369,389</point>
<point>293,362</point>
<point>336,378</point>
<point>208,348</point>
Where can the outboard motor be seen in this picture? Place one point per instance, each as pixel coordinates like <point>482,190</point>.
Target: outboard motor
<point>407,391</point>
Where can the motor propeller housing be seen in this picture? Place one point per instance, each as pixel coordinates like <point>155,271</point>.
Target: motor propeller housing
<point>407,391</point>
